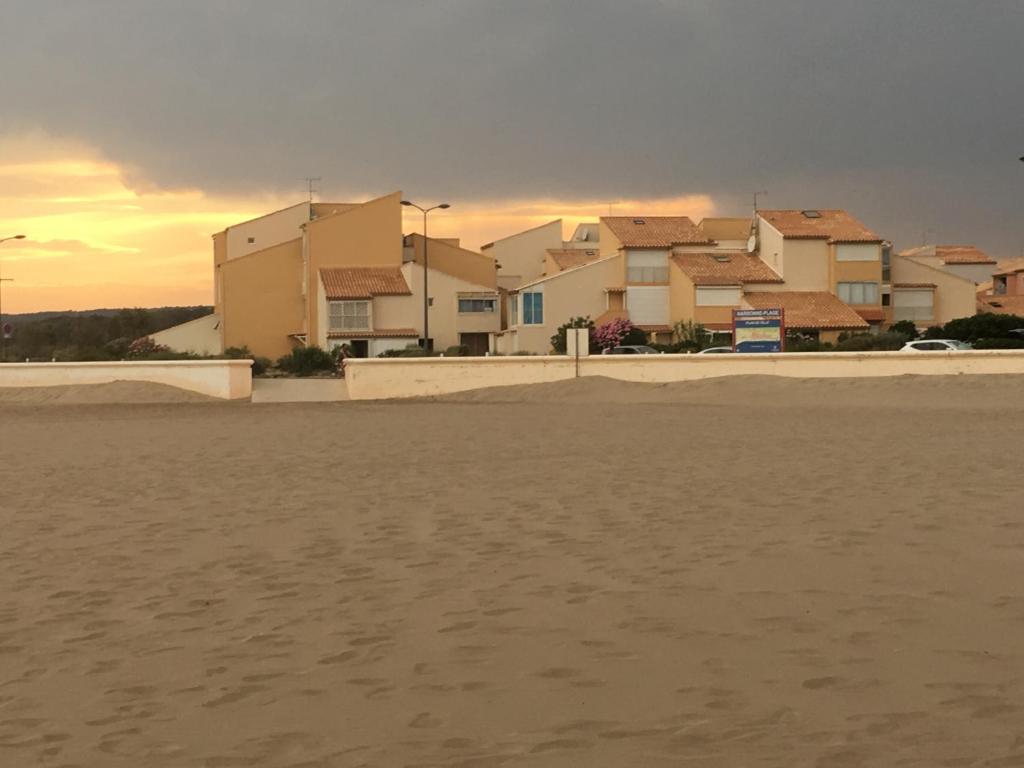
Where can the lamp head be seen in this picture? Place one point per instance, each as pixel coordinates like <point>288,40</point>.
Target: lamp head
<point>406,202</point>
<point>442,206</point>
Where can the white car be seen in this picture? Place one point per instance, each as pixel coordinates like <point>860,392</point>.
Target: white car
<point>935,345</point>
<point>716,351</point>
<point>631,349</point>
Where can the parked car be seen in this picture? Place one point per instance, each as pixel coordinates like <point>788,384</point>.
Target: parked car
<point>1017,333</point>
<point>935,345</point>
<point>634,349</point>
<point>716,351</point>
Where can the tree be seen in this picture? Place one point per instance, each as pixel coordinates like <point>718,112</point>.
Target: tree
<point>689,335</point>
<point>558,341</point>
<point>985,326</point>
<point>906,327</point>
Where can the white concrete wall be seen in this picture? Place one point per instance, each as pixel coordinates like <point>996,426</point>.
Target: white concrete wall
<point>415,377</point>
<point>226,379</point>
<point>200,336</point>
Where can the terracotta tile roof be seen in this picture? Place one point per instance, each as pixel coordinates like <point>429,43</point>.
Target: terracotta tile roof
<point>808,309</point>
<point>836,226</point>
<point>870,313</point>
<point>567,258</point>
<point>962,254</point>
<point>913,285</point>
<point>1009,267</point>
<point>654,231</point>
<point>725,229</point>
<point>363,282</point>
<point>1001,305</point>
<point>380,333</point>
<point>615,289</point>
<point>724,268</point>
<point>655,328</point>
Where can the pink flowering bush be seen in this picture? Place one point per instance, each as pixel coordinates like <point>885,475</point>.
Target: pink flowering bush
<point>616,332</point>
<point>145,347</point>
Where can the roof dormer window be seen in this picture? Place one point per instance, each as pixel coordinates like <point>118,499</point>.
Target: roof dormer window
<point>811,214</point>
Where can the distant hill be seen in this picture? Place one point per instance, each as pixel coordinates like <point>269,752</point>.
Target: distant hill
<point>93,334</point>
<point>104,312</point>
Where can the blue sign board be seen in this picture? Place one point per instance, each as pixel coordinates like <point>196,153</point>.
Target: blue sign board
<point>758,330</point>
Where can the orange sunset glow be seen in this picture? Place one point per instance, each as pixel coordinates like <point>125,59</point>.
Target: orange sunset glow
<point>98,235</point>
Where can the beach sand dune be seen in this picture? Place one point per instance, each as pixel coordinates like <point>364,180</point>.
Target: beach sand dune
<point>575,578</point>
<point>115,392</point>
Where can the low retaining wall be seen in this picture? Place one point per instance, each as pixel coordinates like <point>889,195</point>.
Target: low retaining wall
<point>226,379</point>
<point>373,379</point>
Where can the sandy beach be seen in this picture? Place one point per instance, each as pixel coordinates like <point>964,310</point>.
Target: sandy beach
<point>592,573</point>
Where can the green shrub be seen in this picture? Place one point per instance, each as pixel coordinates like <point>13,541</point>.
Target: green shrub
<point>413,350</point>
<point>460,350</point>
<point>934,332</point>
<point>305,361</point>
<point>985,326</point>
<point>906,327</point>
<point>238,353</point>
<point>559,342</point>
<point>999,344</point>
<point>867,342</point>
<point>260,365</point>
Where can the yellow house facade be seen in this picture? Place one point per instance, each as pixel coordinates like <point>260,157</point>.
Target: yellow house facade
<point>277,278</point>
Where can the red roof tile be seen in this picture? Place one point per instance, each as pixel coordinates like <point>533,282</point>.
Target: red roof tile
<point>870,313</point>
<point>380,333</point>
<point>724,268</point>
<point>654,231</point>
<point>363,282</point>
<point>567,258</point>
<point>962,254</point>
<point>836,226</point>
<point>808,309</point>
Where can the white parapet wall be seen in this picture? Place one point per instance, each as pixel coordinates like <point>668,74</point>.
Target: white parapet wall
<point>380,378</point>
<point>226,379</point>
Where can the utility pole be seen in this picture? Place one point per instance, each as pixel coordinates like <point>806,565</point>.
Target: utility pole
<point>426,294</point>
<point>3,336</point>
<point>762,192</point>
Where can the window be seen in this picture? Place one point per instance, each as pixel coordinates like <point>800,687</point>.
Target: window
<point>477,305</point>
<point>719,297</point>
<point>533,308</point>
<point>857,252</point>
<point>858,293</point>
<point>349,316</point>
<point>647,267</point>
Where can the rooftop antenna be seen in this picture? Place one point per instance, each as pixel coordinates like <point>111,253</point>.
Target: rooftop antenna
<point>311,184</point>
<point>762,192</point>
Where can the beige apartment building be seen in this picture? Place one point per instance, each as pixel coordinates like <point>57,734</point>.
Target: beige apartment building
<point>524,256</point>
<point>967,261</point>
<point>823,267</point>
<point>337,273</point>
<point>1004,293</point>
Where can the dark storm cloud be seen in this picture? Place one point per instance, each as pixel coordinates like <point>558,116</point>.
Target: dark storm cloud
<point>909,113</point>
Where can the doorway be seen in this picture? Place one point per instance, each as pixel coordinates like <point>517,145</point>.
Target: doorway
<point>478,344</point>
<point>360,348</point>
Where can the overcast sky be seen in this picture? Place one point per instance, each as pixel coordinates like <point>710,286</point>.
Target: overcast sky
<point>908,113</point>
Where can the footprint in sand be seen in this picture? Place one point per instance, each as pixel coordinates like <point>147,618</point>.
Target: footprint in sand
<point>425,720</point>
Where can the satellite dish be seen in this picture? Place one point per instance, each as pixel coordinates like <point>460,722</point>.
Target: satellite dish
<point>751,243</point>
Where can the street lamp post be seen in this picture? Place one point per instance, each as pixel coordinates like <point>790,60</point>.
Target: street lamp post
<point>426,300</point>
<point>3,336</point>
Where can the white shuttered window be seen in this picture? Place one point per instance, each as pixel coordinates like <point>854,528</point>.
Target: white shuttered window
<point>349,316</point>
